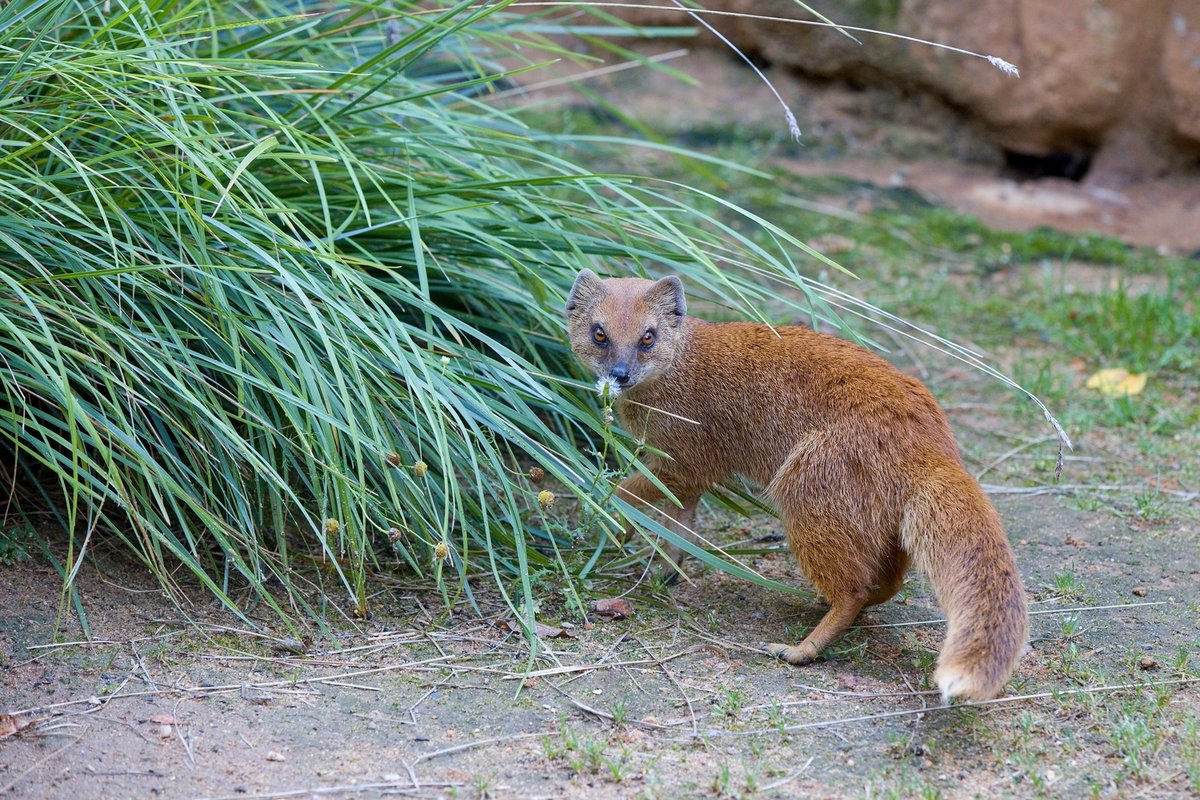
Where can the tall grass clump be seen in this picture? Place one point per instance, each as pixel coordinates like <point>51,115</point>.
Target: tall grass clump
<point>281,282</point>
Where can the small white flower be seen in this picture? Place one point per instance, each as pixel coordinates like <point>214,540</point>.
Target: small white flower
<point>1004,66</point>
<point>445,360</point>
<point>608,417</point>
<point>607,388</point>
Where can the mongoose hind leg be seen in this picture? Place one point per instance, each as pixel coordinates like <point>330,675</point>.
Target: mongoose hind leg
<point>826,532</point>
<point>842,611</point>
<point>827,556</point>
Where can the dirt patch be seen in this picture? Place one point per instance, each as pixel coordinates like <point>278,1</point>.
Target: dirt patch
<point>676,701</point>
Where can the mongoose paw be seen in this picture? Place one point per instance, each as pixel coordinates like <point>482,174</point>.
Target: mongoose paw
<point>797,656</point>
<point>668,567</point>
<point>670,576</point>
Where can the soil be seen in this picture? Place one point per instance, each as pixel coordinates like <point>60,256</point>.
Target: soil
<point>431,705</point>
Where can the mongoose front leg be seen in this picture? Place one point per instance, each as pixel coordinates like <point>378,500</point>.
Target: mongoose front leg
<point>682,523</point>
<point>844,607</point>
<point>638,488</point>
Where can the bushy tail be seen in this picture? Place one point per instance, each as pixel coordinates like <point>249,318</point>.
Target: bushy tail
<point>953,534</point>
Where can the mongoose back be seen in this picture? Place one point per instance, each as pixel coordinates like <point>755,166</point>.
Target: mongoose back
<point>857,457</point>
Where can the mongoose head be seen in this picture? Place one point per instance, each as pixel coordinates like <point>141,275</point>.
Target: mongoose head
<point>625,329</point>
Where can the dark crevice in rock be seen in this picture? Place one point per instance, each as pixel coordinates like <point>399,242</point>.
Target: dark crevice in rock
<point>1072,165</point>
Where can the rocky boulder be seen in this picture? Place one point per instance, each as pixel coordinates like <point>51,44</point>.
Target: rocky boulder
<point>1110,90</point>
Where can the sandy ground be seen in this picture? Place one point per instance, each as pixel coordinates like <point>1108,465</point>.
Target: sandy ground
<point>423,704</point>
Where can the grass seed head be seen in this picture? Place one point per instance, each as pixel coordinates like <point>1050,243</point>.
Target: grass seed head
<point>420,468</point>
<point>545,498</point>
<point>608,389</point>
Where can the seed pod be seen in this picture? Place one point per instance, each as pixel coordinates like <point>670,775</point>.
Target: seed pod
<point>442,551</point>
<point>332,527</point>
<point>393,459</point>
<point>420,468</point>
<point>536,474</point>
<point>545,498</point>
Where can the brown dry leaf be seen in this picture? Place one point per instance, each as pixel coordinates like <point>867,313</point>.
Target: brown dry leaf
<point>1117,382</point>
<point>11,724</point>
<point>162,719</point>
<point>550,632</point>
<point>613,608</point>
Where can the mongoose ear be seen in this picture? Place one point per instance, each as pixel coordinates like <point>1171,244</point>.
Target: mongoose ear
<point>666,297</point>
<point>587,286</point>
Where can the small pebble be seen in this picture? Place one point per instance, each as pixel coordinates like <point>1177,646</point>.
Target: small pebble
<point>1148,662</point>
<point>165,731</point>
<point>1139,591</point>
<point>273,756</point>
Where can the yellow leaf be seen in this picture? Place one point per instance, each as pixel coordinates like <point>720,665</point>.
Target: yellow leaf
<point>1117,383</point>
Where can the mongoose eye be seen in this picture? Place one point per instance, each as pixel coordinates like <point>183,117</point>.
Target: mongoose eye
<point>599,336</point>
<point>648,339</point>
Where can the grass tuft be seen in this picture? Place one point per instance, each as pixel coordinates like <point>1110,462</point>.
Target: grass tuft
<point>284,283</point>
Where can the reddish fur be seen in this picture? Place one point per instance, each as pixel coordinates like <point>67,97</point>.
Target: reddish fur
<point>857,456</point>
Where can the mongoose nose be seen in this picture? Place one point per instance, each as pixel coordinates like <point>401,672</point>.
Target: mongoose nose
<point>620,374</point>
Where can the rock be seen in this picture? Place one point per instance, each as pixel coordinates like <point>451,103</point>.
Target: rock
<point>1148,662</point>
<point>1116,82</point>
<point>1181,68</point>
<point>1138,591</point>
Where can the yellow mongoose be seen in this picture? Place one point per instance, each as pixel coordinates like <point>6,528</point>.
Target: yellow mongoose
<point>857,457</point>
